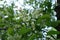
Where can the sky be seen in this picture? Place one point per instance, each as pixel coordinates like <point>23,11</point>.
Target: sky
<point>19,3</point>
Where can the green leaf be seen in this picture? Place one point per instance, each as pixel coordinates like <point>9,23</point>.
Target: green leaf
<point>55,23</point>
<point>10,31</point>
<point>52,32</point>
<point>31,1</point>
<point>45,16</point>
<point>24,30</point>
<point>32,37</point>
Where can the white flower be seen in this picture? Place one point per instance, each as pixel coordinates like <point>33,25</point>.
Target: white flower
<point>6,16</point>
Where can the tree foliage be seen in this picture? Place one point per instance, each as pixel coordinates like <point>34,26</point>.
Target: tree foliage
<point>27,25</point>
